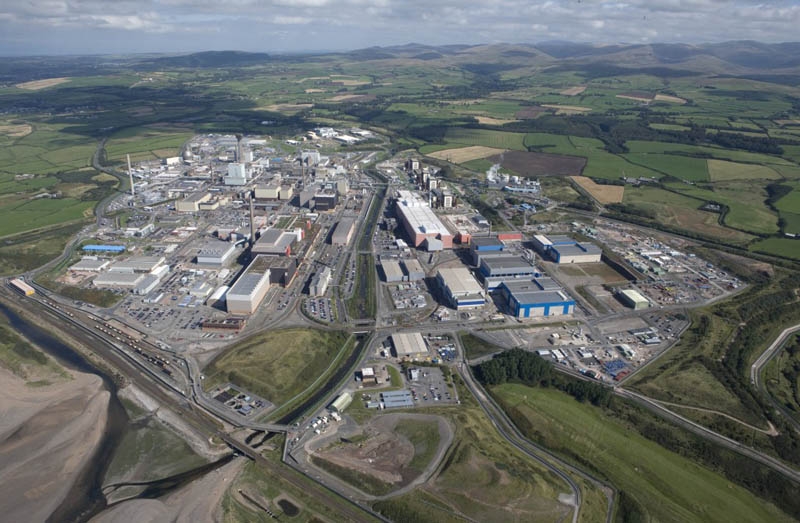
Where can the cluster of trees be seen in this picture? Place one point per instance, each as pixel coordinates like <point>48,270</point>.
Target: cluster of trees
<point>519,366</point>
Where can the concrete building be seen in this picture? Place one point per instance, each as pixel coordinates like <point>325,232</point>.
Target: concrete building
<point>414,270</point>
<point>237,174</point>
<point>216,253</point>
<point>419,220</point>
<point>90,265</point>
<point>409,346</point>
<point>218,296</point>
<point>497,268</point>
<point>249,290</point>
<point>319,283</point>
<point>325,200</point>
<point>342,186</point>
<point>138,264</point>
<point>633,299</point>
<point>392,273</point>
<point>287,191</point>
<point>460,289</point>
<point>192,202</point>
<point>563,249</point>
<point>148,284</point>
<point>343,232</point>
<point>275,242</point>
<point>484,245</point>
<point>529,299</point>
<point>397,399</point>
<point>118,280</point>
<point>281,269</point>
<point>268,192</point>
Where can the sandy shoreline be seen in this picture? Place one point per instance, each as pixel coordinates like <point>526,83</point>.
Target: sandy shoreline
<point>47,434</point>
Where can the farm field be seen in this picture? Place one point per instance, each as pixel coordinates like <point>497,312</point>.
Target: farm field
<point>785,247</point>
<point>664,485</point>
<point>495,139</point>
<point>277,364</point>
<point>602,193</point>
<point>681,167</point>
<point>465,154</point>
<point>683,212</point>
<point>721,170</point>
<point>530,164</point>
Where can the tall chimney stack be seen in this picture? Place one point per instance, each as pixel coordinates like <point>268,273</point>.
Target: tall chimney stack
<point>130,175</point>
<point>252,220</point>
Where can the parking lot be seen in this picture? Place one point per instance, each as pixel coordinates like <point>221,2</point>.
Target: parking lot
<point>429,387</point>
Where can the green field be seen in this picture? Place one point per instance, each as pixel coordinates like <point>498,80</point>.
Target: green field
<point>498,139</point>
<point>665,486</point>
<point>30,250</point>
<point>424,435</point>
<point>475,347</point>
<point>681,167</point>
<point>26,361</point>
<point>785,247</point>
<point>782,376</point>
<point>721,170</point>
<point>682,212</point>
<point>277,364</point>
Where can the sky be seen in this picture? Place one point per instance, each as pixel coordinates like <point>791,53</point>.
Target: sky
<point>36,27</point>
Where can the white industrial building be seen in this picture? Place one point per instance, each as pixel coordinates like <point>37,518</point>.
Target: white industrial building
<point>410,346</point>
<point>215,253</point>
<point>249,290</point>
<point>343,232</point>
<point>268,192</point>
<point>460,288</point>
<point>414,270</point>
<point>149,283</point>
<point>420,222</point>
<point>192,202</point>
<point>634,299</point>
<point>392,272</point>
<point>320,281</point>
<point>138,264</point>
<point>90,265</point>
<point>237,174</point>
<point>563,249</point>
<point>120,280</point>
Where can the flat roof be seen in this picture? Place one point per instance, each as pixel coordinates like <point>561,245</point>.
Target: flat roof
<point>541,238</point>
<point>118,278</point>
<point>197,197</point>
<point>412,265</point>
<point>577,249</point>
<point>541,297</point>
<point>419,216</point>
<point>460,281</point>
<point>561,239</point>
<point>143,263</point>
<point>391,269</point>
<point>409,343</point>
<point>89,265</point>
<point>635,296</point>
<point>216,248</point>
<point>486,241</point>
<point>245,285</point>
<point>259,265</point>
<point>506,262</point>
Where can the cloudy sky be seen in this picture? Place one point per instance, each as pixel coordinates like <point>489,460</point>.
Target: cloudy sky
<point>137,26</point>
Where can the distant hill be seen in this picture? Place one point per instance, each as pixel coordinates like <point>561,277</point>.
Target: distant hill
<point>211,59</point>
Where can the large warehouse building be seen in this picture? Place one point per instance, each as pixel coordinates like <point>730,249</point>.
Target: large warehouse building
<point>535,299</point>
<point>138,265</point>
<point>633,299</point>
<point>563,249</point>
<point>460,288</point>
<point>249,290</point>
<point>497,269</point>
<point>392,273</point>
<point>420,222</point>
<point>275,242</point>
<point>409,346</point>
<point>414,270</point>
<point>484,245</point>
<point>281,269</point>
<point>215,254</point>
<point>343,232</point>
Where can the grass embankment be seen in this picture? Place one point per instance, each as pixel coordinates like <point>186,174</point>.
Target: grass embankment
<point>362,305</point>
<point>277,364</point>
<point>363,482</point>
<point>486,479</point>
<point>424,435</point>
<point>25,252</point>
<point>150,452</point>
<point>475,347</point>
<point>782,376</point>
<point>26,361</point>
<point>267,486</point>
<point>662,485</point>
<point>709,367</point>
